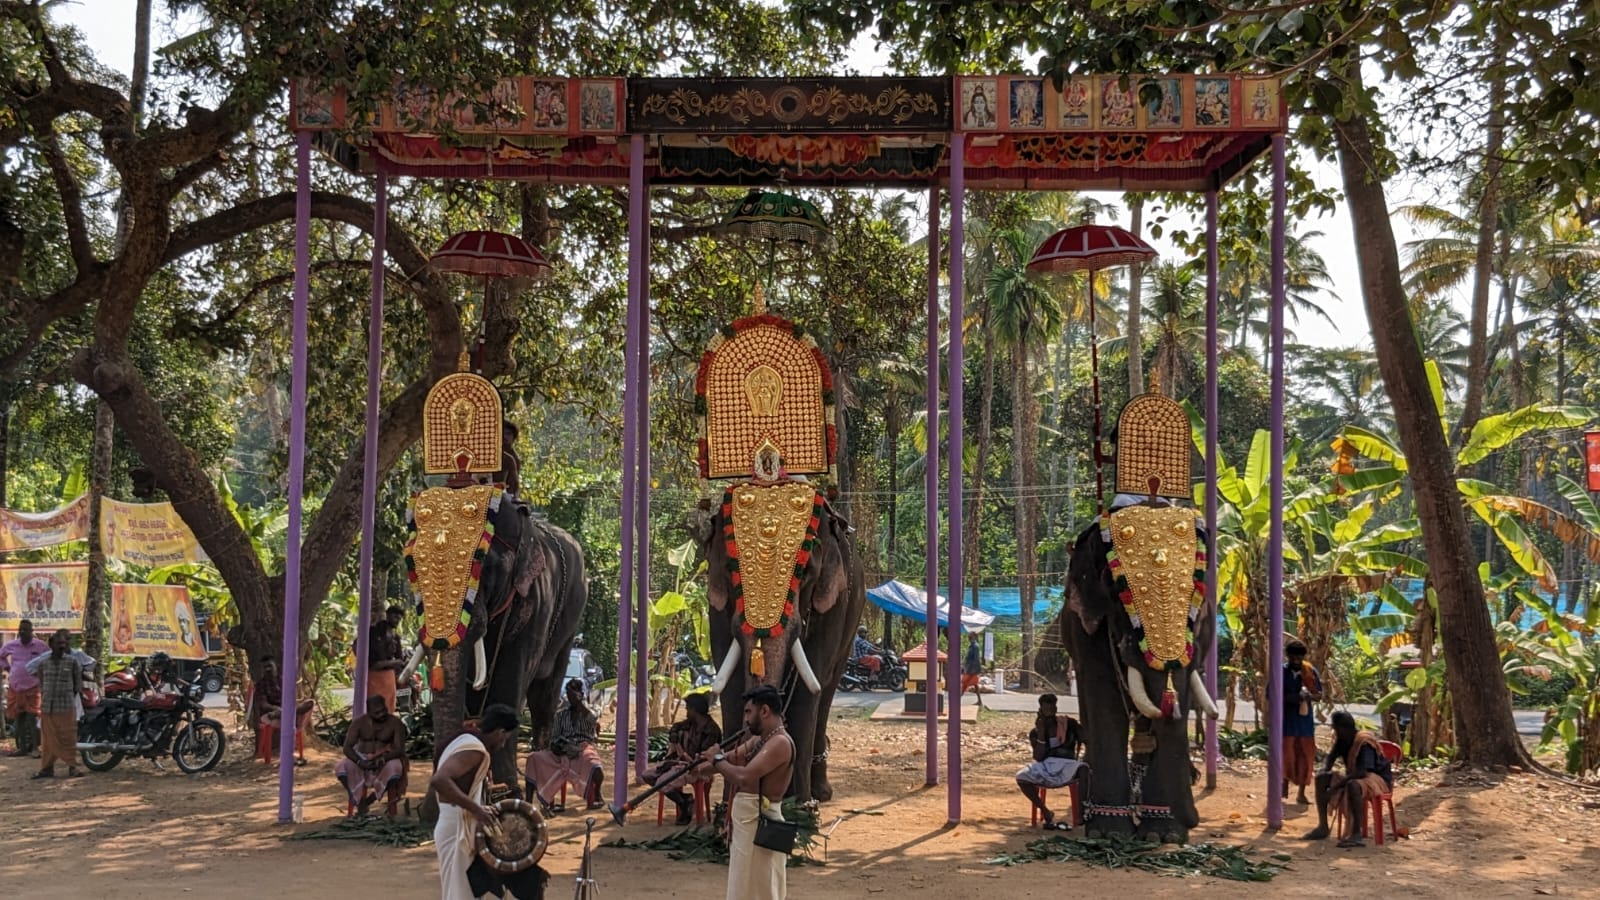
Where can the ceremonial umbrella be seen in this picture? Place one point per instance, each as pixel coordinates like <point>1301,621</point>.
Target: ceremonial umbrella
<point>773,216</point>
<point>490,254</point>
<point>1089,248</point>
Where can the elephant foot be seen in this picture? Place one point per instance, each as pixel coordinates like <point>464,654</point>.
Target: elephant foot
<point>1105,826</point>
<point>1162,831</point>
<point>821,790</point>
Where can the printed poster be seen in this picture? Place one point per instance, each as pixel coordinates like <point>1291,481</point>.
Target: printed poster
<point>152,618</point>
<point>50,595</point>
<point>30,531</point>
<point>146,534</point>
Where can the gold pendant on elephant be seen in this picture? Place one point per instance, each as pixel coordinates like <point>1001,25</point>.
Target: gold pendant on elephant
<point>1158,562</point>
<point>771,532</point>
<point>444,559</point>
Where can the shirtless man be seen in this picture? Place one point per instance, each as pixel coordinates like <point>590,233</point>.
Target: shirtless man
<point>459,784</point>
<point>374,758</point>
<point>758,773</point>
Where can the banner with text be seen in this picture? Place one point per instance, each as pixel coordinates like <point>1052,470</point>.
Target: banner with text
<point>154,618</point>
<point>50,595</point>
<point>30,531</point>
<point>146,534</point>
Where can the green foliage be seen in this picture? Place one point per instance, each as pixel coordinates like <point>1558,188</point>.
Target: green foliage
<point>1119,852</point>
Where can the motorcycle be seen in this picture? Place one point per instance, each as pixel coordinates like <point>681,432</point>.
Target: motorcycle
<point>151,726</point>
<point>701,675</point>
<point>891,674</point>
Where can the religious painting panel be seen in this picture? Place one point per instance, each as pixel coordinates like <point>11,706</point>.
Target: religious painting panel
<point>597,106</point>
<point>1263,103</point>
<point>1213,102</point>
<point>1165,111</point>
<point>979,103</point>
<point>548,112</point>
<point>1117,103</point>
<point>1075,104</point>
<point>1025,103</point>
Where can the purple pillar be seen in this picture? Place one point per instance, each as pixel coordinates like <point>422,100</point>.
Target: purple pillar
<point>952,665</point>
<point>931,488</point>
<point>290,668</point>
<point>1211,476</point>
<point>641,495</point>
<point>369,461</point>
<point>630,386</point>
<point>1275,515</point>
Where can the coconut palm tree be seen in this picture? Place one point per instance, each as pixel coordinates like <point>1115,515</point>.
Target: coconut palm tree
<point>1245,288</point>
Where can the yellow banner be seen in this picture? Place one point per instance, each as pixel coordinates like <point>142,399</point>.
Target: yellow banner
<point>154,618</point>
<point>30,531</point>
<point>50,595</point>
<point>146,534</point>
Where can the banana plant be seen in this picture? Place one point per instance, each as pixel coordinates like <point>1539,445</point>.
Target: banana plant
<point>1561,645</point>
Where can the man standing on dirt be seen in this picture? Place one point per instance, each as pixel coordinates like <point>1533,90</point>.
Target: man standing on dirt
<point>22,688</point>
<point>385,657</point>
<point>60,679</point>
<point>758,774</point>
<point>1301,688</point>
<point>458,782</point>
<point>375,758</point>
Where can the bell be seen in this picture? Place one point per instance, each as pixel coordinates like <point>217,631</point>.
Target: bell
<point>758,663</point>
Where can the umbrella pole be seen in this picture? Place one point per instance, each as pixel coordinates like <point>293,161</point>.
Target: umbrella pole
<point>1094,379</point>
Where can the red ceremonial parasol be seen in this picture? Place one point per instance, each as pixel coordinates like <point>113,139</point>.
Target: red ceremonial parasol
<point>1089,248</point>
<point>490,254</point>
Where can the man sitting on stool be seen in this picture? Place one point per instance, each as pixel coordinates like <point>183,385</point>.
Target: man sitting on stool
<point>685,742</point>
<point>1055,741</point>
<point>1367,775</point>
<point>375,758</point>
<point>571,756</point>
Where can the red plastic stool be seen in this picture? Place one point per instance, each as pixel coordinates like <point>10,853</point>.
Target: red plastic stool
<point>1072,796</point>
<point>266,742</point>
<point>702,804</point>
<point>1373,813</point>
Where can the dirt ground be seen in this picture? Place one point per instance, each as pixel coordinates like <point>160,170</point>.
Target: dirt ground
<point>138,832</point>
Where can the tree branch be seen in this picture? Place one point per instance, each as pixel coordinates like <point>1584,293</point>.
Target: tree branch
<point>71,202</point>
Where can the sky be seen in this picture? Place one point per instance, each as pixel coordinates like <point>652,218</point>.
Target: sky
<point>108,27</point>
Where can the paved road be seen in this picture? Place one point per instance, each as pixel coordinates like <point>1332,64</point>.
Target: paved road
<point>1530,722</point>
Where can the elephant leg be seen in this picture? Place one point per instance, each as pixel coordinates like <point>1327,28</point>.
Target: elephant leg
<point>821,788</point>
<point>801,721</point>
<point>1104,715</point>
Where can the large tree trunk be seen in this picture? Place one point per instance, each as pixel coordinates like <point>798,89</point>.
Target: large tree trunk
<point>1478,361</point>
<point>1473,674</point>
<point>99,599</point>
<point>1135,306</point>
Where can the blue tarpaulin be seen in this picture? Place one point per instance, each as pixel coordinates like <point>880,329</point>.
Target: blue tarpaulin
<point>912,602</point>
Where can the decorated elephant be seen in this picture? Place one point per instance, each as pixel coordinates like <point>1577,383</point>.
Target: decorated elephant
<point>802,648</point>
<point>1138,626</point>
<point>514,633</point>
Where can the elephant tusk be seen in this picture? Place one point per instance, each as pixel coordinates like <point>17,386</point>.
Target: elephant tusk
<point>1202,699</point>
<point>1141,699</point>
<point>411,666</point>
<point>480,666</point>
<point>730,664</point>
<point>797,652</point>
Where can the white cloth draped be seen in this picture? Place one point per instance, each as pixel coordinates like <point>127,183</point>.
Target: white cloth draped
<point>455,836</point>
<point>754,873</point>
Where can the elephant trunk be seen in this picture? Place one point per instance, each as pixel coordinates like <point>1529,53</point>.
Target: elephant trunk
<point>411,666</point>
<point>449,702</point>
<point>730,665</point>
<point>1200,696</point>
<point>1141,697</point>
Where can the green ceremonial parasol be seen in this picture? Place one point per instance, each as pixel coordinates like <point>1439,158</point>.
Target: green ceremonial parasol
<point>774,216</point>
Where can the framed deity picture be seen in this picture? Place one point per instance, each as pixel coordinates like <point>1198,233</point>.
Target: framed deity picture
<point>1025,103</point>
<point>548,111</point>
<point>1262,102</point>
<point>1166,110</point>
<point>1213,102</point>
<point>1075,104</point>
<point>597,106</point>
<point>979,103</point>
<point>1117,103</point>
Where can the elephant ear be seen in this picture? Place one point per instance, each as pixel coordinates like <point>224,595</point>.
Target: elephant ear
<point>1089,590</point>
<point>829,563</point>
<point>718,579</point>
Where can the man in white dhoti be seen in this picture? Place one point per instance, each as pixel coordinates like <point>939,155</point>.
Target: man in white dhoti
<point>758,772</point>
<point>459,781</point>
<point>1055,741</point>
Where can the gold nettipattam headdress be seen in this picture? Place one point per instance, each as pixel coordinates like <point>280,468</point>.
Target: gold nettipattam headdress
<point>461,425</point>
<point>1153,441</point>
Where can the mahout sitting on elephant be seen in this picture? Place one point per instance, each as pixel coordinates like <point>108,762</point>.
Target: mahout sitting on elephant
<point>1137,626</point>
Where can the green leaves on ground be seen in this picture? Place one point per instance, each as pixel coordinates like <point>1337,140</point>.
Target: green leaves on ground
<point>1213,860</point>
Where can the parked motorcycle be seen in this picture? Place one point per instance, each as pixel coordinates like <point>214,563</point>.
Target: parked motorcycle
<point>151,726</point>
<point>891,674</point>
<point>701,675</point>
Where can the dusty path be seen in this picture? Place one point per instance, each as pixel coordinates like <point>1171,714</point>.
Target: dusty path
<point>136,832</point>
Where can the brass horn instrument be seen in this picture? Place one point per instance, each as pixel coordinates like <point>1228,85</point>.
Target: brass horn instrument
<point>620,813</point>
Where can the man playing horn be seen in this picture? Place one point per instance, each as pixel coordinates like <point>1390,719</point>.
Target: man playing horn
<point>758,773</point>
